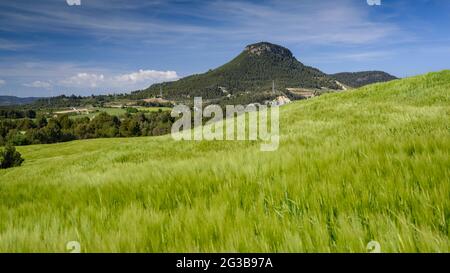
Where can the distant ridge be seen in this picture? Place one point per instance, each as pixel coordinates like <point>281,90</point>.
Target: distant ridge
<point>358,79</point>
<point>12,100</point>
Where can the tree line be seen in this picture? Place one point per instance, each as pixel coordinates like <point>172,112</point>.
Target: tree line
<point>16,114</point>
<point>42,130</point>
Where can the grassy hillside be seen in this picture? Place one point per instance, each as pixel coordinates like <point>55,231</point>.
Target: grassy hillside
<point>367,164</point>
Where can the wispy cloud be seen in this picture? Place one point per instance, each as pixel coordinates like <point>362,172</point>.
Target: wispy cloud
<point>2,82</point>
<point>38,84</point>
<point>289,21</point>
<point>8,45</point>
<point>354,56</point>
<point>102,20</point>
<point>315,22</point>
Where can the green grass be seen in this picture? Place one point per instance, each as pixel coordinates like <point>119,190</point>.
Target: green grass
<point>362,165</point>
<point>153,109</point>
<point>117,111</point>
<point>110,111</point>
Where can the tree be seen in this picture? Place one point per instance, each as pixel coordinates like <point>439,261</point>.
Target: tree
<point>41,121</point>
<point>132,110</point>
<point>64,122</point>
<point>16,137</point>
<point>83,131</point>
<point>52,131</point>
<point>130,128</point>
<point>105,125</point>
<point>9,157</point>
<point>26,124</point>
<point>30,114</point>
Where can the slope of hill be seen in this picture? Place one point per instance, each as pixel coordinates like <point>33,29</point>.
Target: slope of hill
<point>359,79</point>
<point>12,100</point>
<point>253,70</point>
<point>352,167</point>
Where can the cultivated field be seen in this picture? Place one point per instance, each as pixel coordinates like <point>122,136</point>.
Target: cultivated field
<point>117,111</point>
<point>361,165</point>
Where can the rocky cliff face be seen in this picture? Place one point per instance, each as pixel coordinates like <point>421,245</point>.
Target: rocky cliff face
<point>265,47</point>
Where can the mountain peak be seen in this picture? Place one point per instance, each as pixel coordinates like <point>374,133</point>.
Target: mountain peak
<point>249,77</point>
<point>265,47</point>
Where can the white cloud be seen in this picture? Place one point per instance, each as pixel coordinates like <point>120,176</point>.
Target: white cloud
<point>38,84</point>
<point>125,81</point>
<point>78,78</point>
<point>2,82</point>
<point>146,75</point>
<point>84,80</point>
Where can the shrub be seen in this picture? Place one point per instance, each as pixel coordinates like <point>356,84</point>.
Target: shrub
<point>132,110</point>
<point>41,121</point>
<point>16,137</point>
<point>9,157</point>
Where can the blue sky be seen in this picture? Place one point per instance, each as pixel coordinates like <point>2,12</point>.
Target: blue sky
<point>48,47</point>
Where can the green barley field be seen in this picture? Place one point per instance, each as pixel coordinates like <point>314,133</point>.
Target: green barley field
<point>352,167</point>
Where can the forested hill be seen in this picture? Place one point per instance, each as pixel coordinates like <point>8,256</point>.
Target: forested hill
<point>251,72</point>
<point>12,100</point>
<point>358,79</point>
